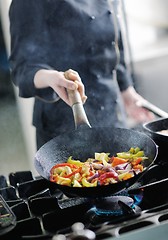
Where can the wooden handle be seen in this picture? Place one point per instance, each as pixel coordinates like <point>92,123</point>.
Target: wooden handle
<point>79,113</point>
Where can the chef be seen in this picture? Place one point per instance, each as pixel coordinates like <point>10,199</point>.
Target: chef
<point>49,37</point>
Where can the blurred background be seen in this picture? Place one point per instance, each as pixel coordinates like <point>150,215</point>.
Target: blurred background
<point>145,29</point>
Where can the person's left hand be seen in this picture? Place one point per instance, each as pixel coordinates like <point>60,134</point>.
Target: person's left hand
<point>136,113</point>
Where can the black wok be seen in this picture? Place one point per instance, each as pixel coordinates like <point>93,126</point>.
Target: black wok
<point>153,128</point>
<point>83,142</point>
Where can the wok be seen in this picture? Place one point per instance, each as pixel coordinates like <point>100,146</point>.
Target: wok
<point>153,128</point>
<point>83,142</point>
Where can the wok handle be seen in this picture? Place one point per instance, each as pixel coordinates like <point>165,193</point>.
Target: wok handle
<point>80,117</point>
<point>151,107</point>
<point>79,113</point>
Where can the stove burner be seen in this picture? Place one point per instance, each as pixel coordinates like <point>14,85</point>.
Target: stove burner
<point>111,206</point>
<point>112,209</point>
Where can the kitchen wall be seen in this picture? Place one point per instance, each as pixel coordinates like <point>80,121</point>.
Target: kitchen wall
<point>147,23</point>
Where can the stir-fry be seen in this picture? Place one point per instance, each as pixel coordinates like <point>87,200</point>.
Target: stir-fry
<point>103,169</point>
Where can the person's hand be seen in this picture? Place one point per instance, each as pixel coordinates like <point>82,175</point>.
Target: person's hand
<point>57,81</point>
<point>136,113</point>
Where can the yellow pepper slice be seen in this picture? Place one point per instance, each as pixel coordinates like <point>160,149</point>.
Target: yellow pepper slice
<point>75,162</point>
<point>63,181</point>
<point>125,176</point>
<point>76,183</point>
<point>85,183</point>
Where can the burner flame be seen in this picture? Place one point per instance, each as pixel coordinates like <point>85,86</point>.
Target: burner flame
<point>138,198</point>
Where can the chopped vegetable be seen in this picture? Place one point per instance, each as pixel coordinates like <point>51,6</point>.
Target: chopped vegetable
<point>117,160</point>
<point>75,162</point>
<point>102,169</point>
<point>85,183</point>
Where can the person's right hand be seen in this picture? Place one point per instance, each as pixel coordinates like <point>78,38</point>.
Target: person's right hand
<point>56,80</point>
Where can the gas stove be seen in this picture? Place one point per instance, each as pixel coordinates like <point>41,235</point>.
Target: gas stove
<point>33,208</point>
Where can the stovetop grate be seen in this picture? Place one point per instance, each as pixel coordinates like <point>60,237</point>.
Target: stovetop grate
<point>42,211</point>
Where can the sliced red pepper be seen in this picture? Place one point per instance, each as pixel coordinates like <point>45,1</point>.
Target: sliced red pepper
<point>107,175</point>
<point>73,173</point>
<point>53,178</point>
<point>91,173</point>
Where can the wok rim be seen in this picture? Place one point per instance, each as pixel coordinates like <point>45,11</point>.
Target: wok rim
<point>149,128</point>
